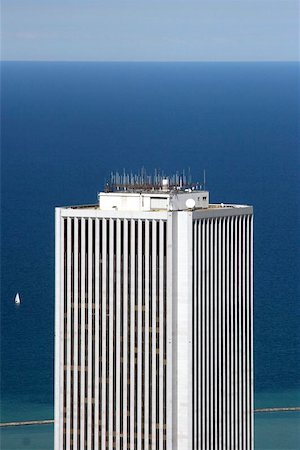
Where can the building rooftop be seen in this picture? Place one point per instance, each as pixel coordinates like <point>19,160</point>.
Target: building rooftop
<point>155,192</point>
<point>157,182</point>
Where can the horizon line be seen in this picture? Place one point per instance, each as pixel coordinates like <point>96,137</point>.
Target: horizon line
<point>150,61</point>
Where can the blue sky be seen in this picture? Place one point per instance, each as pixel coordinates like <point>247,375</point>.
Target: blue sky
<point>150,30</point>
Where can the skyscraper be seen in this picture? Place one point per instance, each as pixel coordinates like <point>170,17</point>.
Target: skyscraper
<point>154,320</point>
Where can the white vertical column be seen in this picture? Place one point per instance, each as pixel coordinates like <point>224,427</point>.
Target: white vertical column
<point>211,321</point>
<point>215,334</point>
<point>132,332</point>
<point>89,309</point>
<point>228,301</point>
<point>197,335</point>
<point>104,405</point>
<point>170,315</point>
<point>184,329</point>
<point>59,330</point>
<point>118,331</point>
<point>247,379</point>
<point>244,331</point>
<point>83,327</point>
<point>211,327</point>
<point>207,349</point>
<point>161,333</point>
<point>240,418</point>
<point>248,342</point>
<point>97,334</point>
<point>197,323</point>
<point>203,331</point>
<point>139,337</point>
<point>231,222</point>
<point>75,373</point>
<point>236,392</point>
<point>125,332</point>
<point>224,326</point>
<point>219,257</point>
<point>154,331</point>
<point>251,329</point>
<point>146,354</point>
<point>68,368</point>
<point>111,406</point>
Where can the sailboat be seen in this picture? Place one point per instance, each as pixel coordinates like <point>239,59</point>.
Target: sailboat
<point>17,299</point>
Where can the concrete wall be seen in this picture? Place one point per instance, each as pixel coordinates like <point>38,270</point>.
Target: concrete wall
<point>183,268</point>
<point>182,331</point>
<point>149,201</point>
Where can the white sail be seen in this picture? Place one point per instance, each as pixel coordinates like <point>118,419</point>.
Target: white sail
<point>17,299</point>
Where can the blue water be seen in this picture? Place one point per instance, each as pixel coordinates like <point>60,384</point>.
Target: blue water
<point>65,126</point>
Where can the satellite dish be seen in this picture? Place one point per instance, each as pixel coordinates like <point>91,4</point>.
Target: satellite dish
<point>190,203</point>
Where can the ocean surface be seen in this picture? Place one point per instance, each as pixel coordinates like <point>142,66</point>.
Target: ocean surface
<point>65,126</point>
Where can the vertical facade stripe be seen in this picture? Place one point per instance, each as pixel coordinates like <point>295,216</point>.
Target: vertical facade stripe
<point>67,368</point>
<point>154,334</point>
<point>227,321</point>
<point>239,387</point>
<point>215,335</point>
<point>161,335</point>
<point>211,337</point>
<point>207,337</point>
<point>125,334</point>
<point>146,333</point>
<point>111,294</point>
<point>139,336</point>
<point>76,348</point>
<point>236,332</point>
<point>82,354</point>
<point>203,334</point>
<point>219,386</point>
<point>195,342</point>
<point>251,330</point>
<point>222,310</point>
<point>132,334</point>
<point>89,336</point>
<point>97,335</point>
<point>224,430</point>
<point>244,331</point>
<point>104,334</point>
<point>249,343</point>
<point>169,313</point>
<point>58,329</point>
<point>197,334</point>
<point>231,325</point>
<point>118,319</point>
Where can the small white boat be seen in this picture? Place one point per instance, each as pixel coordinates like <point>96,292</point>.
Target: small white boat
<point>17,299</point>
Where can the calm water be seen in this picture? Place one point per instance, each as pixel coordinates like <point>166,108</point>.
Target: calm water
<point>65,126</point>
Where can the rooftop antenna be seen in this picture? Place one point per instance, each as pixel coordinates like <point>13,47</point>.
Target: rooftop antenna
<point>204,179</point>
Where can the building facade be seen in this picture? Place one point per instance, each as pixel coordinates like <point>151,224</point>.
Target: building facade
<point>154,319</point>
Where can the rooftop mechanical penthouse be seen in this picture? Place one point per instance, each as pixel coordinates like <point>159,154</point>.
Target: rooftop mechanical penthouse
<point>154,319</point>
